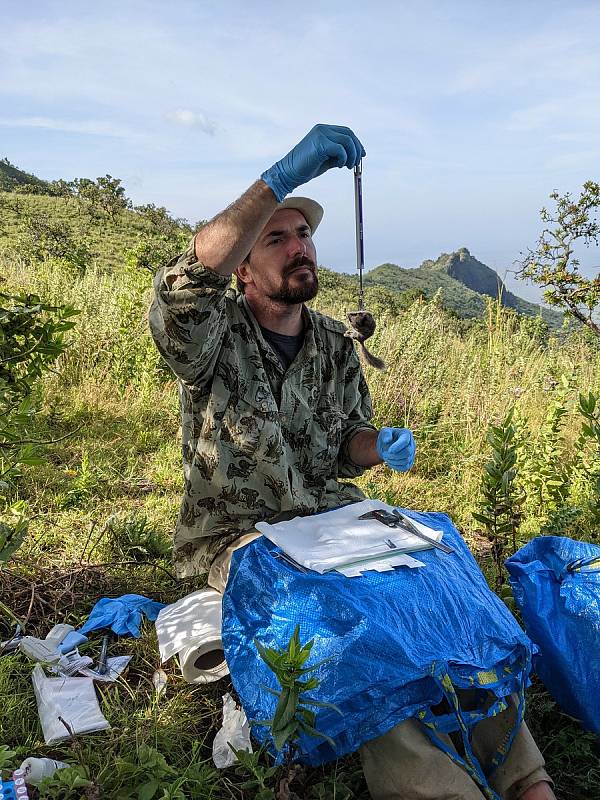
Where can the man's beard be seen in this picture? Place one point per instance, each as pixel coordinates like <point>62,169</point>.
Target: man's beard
<point>299,294</point>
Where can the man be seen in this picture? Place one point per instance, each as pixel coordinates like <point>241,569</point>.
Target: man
<point>276,410</point>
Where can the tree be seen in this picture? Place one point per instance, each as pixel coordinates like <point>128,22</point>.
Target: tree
<point>105,195</point>
<point>161,221</point>
<point>43,237</point>
<point>553,265</point>
<point>112,196</point>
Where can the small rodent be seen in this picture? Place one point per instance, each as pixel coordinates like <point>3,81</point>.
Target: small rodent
<point>364,326</point>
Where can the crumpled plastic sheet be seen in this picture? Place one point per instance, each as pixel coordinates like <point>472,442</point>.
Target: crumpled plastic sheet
<point>71,699</point>
<point>561,612</point>
<point>234,731</point>
<point>383,633</point>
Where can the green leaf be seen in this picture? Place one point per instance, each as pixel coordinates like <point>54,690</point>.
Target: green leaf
<point>313,732</point>
<point>266,688</point>
<point>286,708</point>
<point>280,737</point>
<point>148,790</point>
<point>6,756</point>
<point>321,704</point>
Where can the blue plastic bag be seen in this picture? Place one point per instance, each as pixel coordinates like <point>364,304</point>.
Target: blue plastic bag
<point>398,642</point>
<point>556,584</point>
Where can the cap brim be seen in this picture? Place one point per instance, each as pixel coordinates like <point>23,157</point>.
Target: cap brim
<point>310,209</point>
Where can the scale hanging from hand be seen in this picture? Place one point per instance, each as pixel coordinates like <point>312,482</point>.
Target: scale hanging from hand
<point>362,321</point>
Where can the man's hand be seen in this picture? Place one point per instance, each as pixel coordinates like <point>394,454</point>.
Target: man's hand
<point>324,147</point>
<point>397,448</point>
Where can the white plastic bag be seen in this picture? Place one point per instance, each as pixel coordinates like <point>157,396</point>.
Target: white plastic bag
<point>235,731</point>
<point>72,699</point>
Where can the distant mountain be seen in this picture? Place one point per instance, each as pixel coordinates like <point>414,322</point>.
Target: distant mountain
<point>464,281</point>
<point>12,177</point>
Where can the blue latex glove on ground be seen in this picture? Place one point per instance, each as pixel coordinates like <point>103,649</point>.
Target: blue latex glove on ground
<point>396,446</point>
<point>324,147</point>
<point>123,615</point>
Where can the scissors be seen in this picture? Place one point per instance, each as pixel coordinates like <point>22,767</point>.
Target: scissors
<point>395,519</point>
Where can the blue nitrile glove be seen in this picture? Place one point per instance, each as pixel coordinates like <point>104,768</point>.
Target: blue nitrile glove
<point>396,446</point>
<point>123,615</point>
<point>324,147</point>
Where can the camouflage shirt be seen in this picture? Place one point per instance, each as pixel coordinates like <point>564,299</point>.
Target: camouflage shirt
<point>257,440</point>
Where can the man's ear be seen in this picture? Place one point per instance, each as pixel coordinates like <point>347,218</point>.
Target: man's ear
<point>242,272</point>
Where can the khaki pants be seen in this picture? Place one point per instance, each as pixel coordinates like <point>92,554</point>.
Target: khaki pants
<point>404,764</point>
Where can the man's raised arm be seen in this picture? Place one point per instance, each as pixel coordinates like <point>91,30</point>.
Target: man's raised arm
<point>224,242</point>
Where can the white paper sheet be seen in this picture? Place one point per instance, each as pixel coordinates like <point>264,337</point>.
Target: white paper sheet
<point>326,541</point>
<point>401,560</point>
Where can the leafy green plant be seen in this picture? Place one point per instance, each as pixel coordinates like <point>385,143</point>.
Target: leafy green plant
<point>585,478</point>
<point>292,714</point>
<point>332,788</point>
<point>156,250</point>
<point>552,264</point>
<point>260,775</point>
<point>148,776</point>
<point>142,777</point>
<point>43,238</point>
<point>72,783</point>
<point>12,529</point>
<point>500,503</point>
<point>543,472</point>
<point>133,537</point>
<point>86,484</point>
<point>7,757</point>
<point>104,196</point>
<point>31,340</point>
<point>135,358</point>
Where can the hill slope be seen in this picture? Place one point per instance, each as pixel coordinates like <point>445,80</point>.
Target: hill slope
<point>12,177</point>
<point>465,283</point>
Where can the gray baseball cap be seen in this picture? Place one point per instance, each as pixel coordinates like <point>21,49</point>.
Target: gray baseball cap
<point>312,211</point>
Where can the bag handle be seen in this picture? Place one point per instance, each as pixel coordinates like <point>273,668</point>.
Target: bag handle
<point>464,722</point>
<point>591,564</point>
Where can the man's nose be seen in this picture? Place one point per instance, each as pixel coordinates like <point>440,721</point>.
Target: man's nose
<point>297,246</point>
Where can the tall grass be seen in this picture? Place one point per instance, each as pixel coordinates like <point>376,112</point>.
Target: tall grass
<point>446,384</point>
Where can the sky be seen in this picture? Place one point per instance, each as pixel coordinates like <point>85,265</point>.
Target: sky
<point>471,113</point>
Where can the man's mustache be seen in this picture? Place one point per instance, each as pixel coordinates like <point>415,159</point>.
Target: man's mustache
<point>300,261</point>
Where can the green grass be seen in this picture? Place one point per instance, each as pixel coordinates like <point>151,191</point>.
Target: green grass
<point>102,505</point>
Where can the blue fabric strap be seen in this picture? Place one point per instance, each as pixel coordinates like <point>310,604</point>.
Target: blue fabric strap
<point>464,722</point>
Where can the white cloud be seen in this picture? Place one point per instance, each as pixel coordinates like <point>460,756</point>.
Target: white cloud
<point>561,116</point>
<point>193,119</point>
<point>91,127</point>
